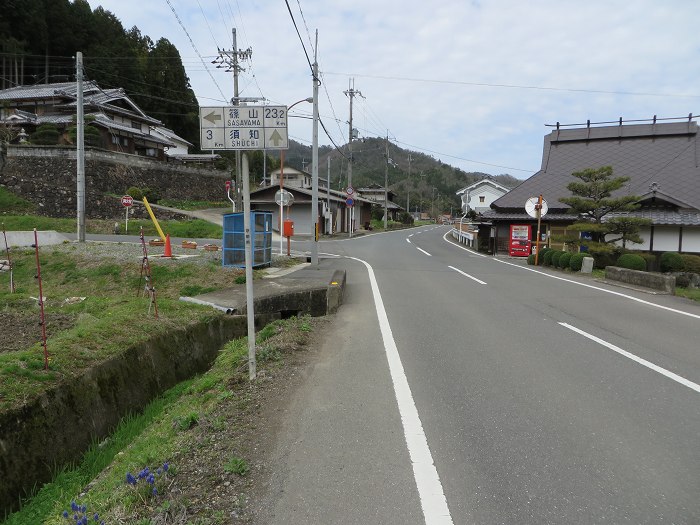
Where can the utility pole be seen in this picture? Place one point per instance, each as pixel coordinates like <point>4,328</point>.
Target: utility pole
<point>351,92</point>
<point>80,149</point>
<point>314,164</point>
<point>386,184</point>
<point>408,189</point>
<point>229,59</point>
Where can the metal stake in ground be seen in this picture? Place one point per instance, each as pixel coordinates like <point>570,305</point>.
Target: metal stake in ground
<point>9,261</point>
<point>146,273</point>
<point>41,302</point>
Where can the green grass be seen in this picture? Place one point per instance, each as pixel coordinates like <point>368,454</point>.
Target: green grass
<point>12,204</point>
<point>688,293</point>
<point>193,205</point>
<point>237,465</point>
<point>190,229</point>
<point>92,336</point>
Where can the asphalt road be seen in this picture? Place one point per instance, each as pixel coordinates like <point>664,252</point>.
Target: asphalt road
<point>486,391</point>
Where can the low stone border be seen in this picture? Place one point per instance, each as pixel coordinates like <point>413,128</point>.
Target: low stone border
<point>655,281</point>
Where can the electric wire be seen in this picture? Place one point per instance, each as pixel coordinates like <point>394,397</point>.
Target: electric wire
<point>308,60</point>
<point>177,17</point>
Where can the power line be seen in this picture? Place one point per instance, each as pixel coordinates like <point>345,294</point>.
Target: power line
<point>195,48</point>
<point>514,86</point>
<point>308,60</point>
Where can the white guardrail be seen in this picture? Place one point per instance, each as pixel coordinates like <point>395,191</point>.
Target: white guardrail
<point>464,237</point>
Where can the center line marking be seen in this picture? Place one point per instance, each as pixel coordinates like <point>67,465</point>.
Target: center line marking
<point>426,253</point>
<point>682,380</point>
<point>467,275</point>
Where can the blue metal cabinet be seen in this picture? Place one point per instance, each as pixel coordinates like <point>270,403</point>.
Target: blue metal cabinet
<point>234,239</point>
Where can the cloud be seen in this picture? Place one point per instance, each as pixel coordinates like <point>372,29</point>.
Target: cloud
<point>583,49</point>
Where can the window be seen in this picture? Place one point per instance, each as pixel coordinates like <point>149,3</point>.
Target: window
<point>482,199</point>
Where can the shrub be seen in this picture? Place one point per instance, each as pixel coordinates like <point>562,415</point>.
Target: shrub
<point>556,255</point>
<point>576,261</point>
<point>136,193</point>
<point>671,262</point>
<point>46,135</point>
<point>531,259</point>
<point>547,258</point>
<point>543,252</point>
<point>691,263</point>
<point>652,261</point>
<point>603,259</point>
<point>565,259</point>
<point>632,261</point>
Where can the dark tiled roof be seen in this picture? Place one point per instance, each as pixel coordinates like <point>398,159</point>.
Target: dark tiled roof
<point>663,216</point>
<point>667,153</point>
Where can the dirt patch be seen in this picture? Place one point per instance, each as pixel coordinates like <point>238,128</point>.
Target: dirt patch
<point>21,330</point>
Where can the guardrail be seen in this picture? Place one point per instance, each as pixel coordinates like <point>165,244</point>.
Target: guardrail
<point>468,238</point>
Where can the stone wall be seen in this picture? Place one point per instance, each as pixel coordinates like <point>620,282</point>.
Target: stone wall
<point>47,177</point>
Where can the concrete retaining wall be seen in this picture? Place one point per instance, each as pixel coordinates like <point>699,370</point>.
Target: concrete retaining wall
<point>655,281</point>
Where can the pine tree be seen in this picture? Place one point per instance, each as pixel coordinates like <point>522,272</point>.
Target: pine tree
<point>592,200</point>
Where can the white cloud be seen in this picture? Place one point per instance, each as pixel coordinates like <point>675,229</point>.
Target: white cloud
<point>618,46</point>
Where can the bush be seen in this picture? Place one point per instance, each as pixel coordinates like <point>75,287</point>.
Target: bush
<point>576,261</point>
<point>556,255</point>
<point>531,259</point>
<point>547,258</point>
<point>564,260</point>
<point>632,261</point>
<point>691,263</point>
<point>671,262</point>
<point>543,252</point>
<point>46,135</point>
<point>603,259</point>
<point>651,260</point>
<point>135,192</point>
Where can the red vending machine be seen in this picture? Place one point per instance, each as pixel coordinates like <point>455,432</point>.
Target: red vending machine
<point>519,245</point>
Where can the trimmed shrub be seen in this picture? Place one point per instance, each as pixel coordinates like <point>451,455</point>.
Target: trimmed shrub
<point>576,261</point>
<point>45,135</point>
<point>603,259</point>
<point>531,259</point>
<point>547,259</point>
<point>691,263</point>
<point>543,252</point>
<point>564,260</point>
<point>136,193</point>
<point>652,261</point>
<point>632,261</point>
<point>671,262</point>
<point>556,254</point>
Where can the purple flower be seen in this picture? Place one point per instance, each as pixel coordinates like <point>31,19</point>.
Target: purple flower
<point>130,479</point>
<point>65,514</point>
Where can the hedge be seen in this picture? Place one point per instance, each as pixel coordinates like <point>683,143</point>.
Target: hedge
<point>632,261</point>
<point>543,252</point>
<point>671,262</point>
<point>547,258</point>
<point>691,263</point>
<point>564,260</point>
<point>531,259</point>
<point>577,261</point>
<point>555,257</point>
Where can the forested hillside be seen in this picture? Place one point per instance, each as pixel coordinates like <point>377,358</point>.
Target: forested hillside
<point>423,181</point>
<point>39,40</point>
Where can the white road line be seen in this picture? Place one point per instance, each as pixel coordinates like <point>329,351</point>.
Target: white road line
<point>432,497</point>
<point>408,240</point>
<point>683,381</point>
<point>422,250</point>
<point>467,275</point>
<point>462,247</point>
<point>612,292</point>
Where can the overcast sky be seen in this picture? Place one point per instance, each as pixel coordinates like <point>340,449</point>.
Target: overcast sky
<point>472,83</point>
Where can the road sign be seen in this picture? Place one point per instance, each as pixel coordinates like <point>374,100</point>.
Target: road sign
<point>531,206</point>
<point>243,127</point>
<point>228,186</point>
<point>127,200</point>
<point>350,202</point>
<point>350,190</point>
<point>284,198</point>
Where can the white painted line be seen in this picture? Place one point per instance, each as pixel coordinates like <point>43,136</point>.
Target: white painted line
<point>683,381</point>
<point>422,250</point>
<point>462,247</point>
<point>467,275</point>
<point>432,497</point>
<point>408,240</point>
<point>612,292</point>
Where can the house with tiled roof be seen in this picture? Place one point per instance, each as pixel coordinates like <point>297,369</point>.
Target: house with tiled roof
<point>661,159</point>
<point>122,125</point>
<point>375,193</point>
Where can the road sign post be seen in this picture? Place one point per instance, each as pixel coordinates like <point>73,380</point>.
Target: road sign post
<point>242,128</point>
<point>127,202</point>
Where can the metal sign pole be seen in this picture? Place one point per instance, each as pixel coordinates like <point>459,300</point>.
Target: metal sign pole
<point>248,268</point>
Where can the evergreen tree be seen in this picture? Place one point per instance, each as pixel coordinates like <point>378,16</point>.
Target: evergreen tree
<point>592,200</point>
